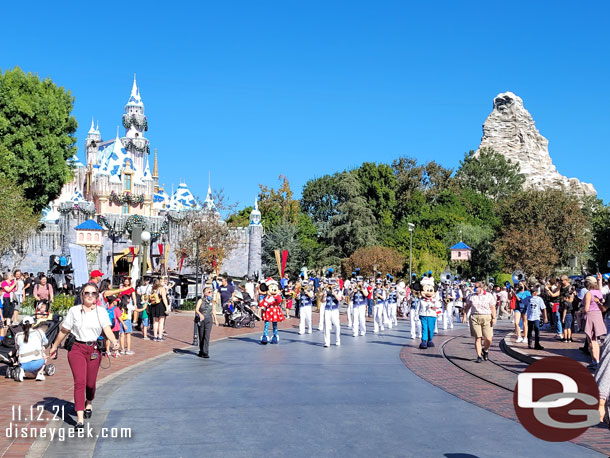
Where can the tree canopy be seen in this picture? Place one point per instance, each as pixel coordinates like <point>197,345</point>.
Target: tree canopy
<point>36,135</point>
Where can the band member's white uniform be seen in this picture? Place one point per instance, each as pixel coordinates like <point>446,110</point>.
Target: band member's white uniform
<point>305,305</point>
<point>322,307</point>
<point>379,296</point>
<point>350,307</point>
<point>414,318</point>
<point>331,314</point>
<point>392,306</point>
<point>359,301</point>
<point>453,296</point>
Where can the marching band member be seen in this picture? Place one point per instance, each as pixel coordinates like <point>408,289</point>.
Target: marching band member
<point>347,293</point>
<point>321,300</point>
<point>402,299</point>
<point>359,301</point>
<point>392,305</point>
<point>379,296</point>
<point>413,316</point>
<point>333,297</point>
<point>305,304</point>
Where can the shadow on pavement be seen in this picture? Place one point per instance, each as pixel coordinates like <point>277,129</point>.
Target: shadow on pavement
<point>460,455</point>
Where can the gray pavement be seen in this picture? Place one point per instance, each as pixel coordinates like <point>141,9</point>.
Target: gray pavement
<point>299,399</point>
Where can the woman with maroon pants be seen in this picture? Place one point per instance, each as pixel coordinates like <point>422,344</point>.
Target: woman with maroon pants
<point>86,323</point>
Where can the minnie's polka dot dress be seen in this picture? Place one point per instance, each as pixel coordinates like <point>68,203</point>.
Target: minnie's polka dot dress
<point>273,311</point>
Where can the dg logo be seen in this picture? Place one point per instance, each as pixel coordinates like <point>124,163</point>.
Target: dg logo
<point>556,399</point>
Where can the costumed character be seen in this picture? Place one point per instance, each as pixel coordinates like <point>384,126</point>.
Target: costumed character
<point>271,307</point>
<point>333,297</point>
<point>359,300</point>
<point>429,305</point>
<point>305,304</point>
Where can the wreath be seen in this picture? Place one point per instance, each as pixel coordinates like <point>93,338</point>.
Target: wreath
<point>132,120</point>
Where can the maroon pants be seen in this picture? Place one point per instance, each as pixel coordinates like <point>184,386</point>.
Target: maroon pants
<point>84,371</point>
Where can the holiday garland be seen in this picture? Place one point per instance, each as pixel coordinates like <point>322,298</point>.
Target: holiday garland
<point>132,120</point>
<point>133,220</point>
<point>77,208</point>
<point>126,198</point>
<point>131,145</point>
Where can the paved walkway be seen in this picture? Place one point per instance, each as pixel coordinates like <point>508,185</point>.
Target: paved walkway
<point>300,399</point>
<point>58,389</point>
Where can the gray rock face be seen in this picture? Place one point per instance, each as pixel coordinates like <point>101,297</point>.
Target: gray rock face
<point>511,131</point>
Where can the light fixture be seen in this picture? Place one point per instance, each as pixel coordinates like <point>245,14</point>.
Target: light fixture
<point>145,236</point>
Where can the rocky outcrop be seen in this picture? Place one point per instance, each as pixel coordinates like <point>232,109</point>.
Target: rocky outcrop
<point>511,131</point>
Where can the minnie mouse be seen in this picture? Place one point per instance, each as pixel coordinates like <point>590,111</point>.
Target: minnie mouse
<point>272,312</point>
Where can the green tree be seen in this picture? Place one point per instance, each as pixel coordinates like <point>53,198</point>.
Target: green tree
<point>278,206</point>
<point>354,225</point>
<point>18,221</point>
<point>378,187</point>
<point>559,213</point>
<point>319,200</point>
<point>36,135</point>
<point>490,173</point>
<point>241,218</point>
<point>283,236</point>
<point>528,248</point>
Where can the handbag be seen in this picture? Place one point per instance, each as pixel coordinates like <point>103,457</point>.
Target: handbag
<point>69,342</point>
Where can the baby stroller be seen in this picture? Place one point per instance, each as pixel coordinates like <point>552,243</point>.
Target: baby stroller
<point>8,352</point>
<point>243,316</point>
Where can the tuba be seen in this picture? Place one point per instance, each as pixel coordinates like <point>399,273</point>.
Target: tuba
<point>447,276</point>
<point>518,276</point>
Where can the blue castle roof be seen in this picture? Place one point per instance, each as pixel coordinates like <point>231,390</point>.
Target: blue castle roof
<point>89,225</point>
<point>460,246</point>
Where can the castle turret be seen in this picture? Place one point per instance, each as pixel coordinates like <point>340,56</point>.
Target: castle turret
<point>255,243</point>
<point>92,144</point>
<point>155,174</point>
<point>135,124</point>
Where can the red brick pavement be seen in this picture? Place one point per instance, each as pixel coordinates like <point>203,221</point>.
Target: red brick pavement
<point>465,382</point>
<point>58,389</point>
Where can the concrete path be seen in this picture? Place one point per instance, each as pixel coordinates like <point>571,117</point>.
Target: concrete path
<point>298,399</point>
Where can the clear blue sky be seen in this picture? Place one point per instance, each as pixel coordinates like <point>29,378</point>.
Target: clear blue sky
<point>249,90</point>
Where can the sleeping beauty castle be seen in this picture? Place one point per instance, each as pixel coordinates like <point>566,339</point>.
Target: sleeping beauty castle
<point>115,191</point>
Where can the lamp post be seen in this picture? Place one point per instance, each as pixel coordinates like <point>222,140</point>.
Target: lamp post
<point>145,237</point>
<point>411,227</point>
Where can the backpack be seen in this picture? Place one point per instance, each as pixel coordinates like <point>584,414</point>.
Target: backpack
<point>111,316</point>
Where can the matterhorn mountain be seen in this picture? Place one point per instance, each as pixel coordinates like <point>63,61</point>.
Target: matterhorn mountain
<point>511,131</point>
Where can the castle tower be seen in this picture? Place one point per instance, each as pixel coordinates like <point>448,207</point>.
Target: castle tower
<point>255,231</point>
<point>92,144</point>
<point>135,124</point>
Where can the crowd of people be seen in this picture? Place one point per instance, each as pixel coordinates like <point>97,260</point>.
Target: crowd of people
<point>563,305</point>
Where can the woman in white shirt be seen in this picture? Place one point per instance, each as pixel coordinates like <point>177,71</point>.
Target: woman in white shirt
<point>86,323</point>
<point>30,350</point>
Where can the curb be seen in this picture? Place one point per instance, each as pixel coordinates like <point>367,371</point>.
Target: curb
<point>514,353</point>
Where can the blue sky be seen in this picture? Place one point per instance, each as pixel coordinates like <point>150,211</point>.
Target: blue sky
<point>251,90</point>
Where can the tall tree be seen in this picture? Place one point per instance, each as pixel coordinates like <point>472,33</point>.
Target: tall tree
<point>283,236</point>
<point>558,212</point>
<point>373,259</point>
<point>278,206</point>
<point>529,248</point>
<point>18,221</point>
<point>36,135</point>
<point>378,187</point>
<point>490,173</point>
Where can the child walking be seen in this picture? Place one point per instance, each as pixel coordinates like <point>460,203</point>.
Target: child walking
<point>534,310</point>
<point>126,327</point>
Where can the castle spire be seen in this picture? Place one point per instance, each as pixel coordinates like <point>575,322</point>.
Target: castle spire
<point>134,89</point>
<point>92,129</point>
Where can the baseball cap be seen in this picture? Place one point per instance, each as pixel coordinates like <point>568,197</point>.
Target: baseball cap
<point>96,273</point>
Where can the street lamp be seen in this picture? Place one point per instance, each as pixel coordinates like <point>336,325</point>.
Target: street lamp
<point>145,237</point>
<point>411,228</point>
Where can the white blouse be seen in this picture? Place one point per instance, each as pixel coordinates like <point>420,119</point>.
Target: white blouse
<point>86,326</point>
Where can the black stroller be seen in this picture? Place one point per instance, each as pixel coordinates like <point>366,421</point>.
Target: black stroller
<point>8,352</point>
<point>243,316</point>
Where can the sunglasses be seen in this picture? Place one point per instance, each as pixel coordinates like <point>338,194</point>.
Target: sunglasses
<point>91,293</point>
